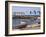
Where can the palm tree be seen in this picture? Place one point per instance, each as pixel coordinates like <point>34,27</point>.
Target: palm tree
<point>30,12</point>
<point>39,12</point>
<point>34,11</point>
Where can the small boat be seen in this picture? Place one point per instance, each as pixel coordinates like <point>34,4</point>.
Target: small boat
<point>21,25</point>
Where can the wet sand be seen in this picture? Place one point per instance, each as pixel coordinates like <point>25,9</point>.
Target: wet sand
<point>30,27</point>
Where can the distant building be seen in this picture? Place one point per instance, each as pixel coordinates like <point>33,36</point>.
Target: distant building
<point>19,13</point>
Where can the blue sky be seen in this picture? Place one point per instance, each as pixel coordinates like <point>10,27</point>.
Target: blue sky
<point>25,9</point>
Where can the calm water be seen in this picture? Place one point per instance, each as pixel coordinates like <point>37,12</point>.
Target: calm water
<point>28,21</point>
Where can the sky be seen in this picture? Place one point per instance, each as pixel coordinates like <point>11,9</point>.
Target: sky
<point>26,10</point>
